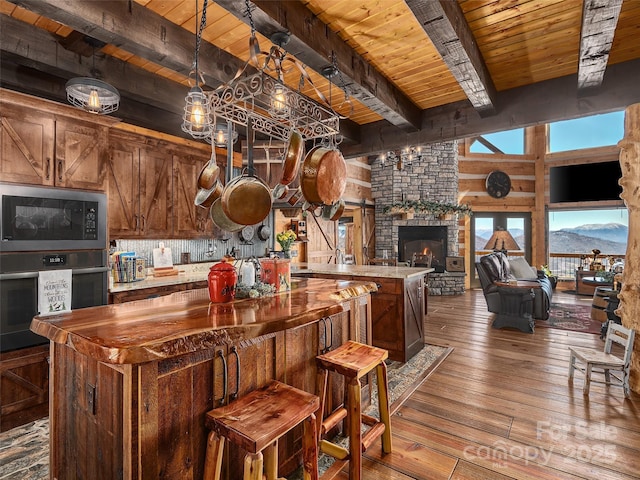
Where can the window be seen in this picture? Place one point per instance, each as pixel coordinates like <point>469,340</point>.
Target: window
<point>509,142</point>
<point>580,231</point>
<point>586,132</point>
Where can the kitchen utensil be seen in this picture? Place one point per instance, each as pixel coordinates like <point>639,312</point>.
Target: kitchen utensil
<point>246,234</point>
<point>220,218</point>
<point>205,198</point>
<point>246,199</point>
<point>264,232</point>
<point>293,157</point>
<point>323,178</point>
<point>333,212</point>
<point>209,173</point>
<point>222,280</point>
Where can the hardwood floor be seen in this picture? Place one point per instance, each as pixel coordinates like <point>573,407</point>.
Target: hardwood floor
<point>501,406</point>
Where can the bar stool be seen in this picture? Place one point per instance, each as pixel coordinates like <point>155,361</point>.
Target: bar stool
<point>255,422</point>
<point>354,360</point>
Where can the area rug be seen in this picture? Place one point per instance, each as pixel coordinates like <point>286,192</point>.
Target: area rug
<point>572,317</point>
<point>24,450</point>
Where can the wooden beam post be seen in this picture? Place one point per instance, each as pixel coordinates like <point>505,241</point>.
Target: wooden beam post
<point>629,309</point>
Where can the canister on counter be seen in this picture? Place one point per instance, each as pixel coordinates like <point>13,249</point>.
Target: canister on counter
<point>277,272</point>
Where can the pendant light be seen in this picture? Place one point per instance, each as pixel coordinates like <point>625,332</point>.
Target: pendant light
<point>91,94</point>
<point>197,113</point>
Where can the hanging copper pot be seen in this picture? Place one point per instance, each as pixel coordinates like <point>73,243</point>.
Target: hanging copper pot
<point>246,199</point>
<point>206,197</point>
<point>323,178</point>
<point>220,218</point>
<point>333,212</point>
<point>293,158</point>
<point>209,173</point>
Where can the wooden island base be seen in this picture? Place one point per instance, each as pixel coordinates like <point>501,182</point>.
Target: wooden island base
<point>131,383</point>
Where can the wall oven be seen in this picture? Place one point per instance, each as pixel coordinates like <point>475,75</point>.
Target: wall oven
<point>44,229</point>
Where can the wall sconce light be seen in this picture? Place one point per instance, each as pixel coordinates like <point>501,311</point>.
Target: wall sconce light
<point>197,113</point>
<point>406,157</point>
<point>221,135</point>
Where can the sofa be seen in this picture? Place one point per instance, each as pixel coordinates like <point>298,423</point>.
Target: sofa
<point>496,266</point>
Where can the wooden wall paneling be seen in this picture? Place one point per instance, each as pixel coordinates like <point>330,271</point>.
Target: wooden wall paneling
<point>539,245</point>
<point>323,236</point>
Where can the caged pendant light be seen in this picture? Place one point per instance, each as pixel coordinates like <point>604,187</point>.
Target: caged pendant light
<point>91,94</point>
<point>196,120</point>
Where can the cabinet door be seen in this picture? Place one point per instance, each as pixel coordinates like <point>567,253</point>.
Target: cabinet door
<point>156,203</point>
<point>414,316</point>
<point>26,146</point>
<point>81,155</point>
<point>189,221</point>
<point>123,174</point>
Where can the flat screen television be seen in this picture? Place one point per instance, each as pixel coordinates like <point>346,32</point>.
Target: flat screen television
<point>587,182</point>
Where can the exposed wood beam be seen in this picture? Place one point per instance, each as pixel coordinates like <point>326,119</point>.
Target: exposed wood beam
<point>315,45</point>
<point>36,48</point>
<point>599,21</point>
<point>542,102</point>
<point>486,143</point>
<point>138,30</point>
<point>444,23</point>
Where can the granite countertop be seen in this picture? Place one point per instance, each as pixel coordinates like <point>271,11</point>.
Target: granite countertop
<point>187,273</point>
<point>185,322</point>
<point>373,271</point>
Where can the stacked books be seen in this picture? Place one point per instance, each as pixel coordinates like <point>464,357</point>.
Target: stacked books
<point>127,267</point>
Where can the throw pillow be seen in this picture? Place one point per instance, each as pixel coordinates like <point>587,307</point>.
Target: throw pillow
<point>521,269</point>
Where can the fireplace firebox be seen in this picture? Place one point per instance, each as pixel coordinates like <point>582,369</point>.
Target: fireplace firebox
<point>423,243</point>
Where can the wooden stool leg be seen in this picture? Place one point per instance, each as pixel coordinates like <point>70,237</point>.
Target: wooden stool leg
<point>587,379</point>
<point>310,449</point>
<point>355,434</point>
<point>271,461</point>
<point>383,406</point>
<point>253,466</point>
<point>321,390</point>
<point>213,459</point>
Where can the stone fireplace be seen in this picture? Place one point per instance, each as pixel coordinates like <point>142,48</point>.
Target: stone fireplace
<point>433,178</point>
<point>425,245</point>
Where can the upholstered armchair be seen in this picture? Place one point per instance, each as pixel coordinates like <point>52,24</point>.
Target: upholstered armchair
<point>496,266</point>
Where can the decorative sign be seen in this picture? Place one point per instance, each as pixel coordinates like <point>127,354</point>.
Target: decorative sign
<point>54,292</point>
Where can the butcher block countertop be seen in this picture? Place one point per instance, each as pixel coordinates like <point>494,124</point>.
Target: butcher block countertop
<point>183,322</point>
<point>373,271</point>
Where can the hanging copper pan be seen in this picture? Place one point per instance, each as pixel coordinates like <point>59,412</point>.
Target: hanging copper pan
<point>293,157</point>
<point>209,173</point>
<point>324,176</point>
<point>246,199</point>
<point>206,197</point>
<point>333,212</point>
<point>221,220</point>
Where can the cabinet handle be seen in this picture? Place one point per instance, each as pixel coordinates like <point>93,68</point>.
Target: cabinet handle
<point>60,165</point>
<point>327,344</point>
<point>234,395</point>
<point>135,227</point>
<point>324,327</point>
<point>143,223</point>
<point>224,378</point>
<point>48,168</point>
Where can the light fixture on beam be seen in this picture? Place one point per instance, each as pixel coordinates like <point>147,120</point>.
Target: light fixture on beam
<point>91,94</point>
<point>220,135</point>
<point>196,119</point>
<point>404,158</point>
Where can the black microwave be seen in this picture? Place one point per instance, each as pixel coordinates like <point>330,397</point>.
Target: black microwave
<point>44,218</point>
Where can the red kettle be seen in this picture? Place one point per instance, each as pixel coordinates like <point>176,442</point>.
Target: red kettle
<point>222,282</point>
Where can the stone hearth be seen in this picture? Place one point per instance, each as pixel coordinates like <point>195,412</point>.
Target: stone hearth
<point>434,178</point>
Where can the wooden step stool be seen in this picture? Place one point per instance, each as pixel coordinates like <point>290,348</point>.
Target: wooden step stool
<point>354,360</point>
<point>255,422</point>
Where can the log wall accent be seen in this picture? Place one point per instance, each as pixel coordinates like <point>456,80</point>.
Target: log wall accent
<point>629,309</point>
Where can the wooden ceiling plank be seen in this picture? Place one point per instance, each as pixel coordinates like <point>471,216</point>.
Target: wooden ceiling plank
<point>313,43</point>
<point>543,102</point>
<point>599,20</point>
<point>445,25</point>
<point>141,32</point>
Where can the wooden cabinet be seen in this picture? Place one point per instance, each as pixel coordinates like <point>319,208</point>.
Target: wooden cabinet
<point>24,377</point>
<point>44,148</point>
<point>140,184</point>
<point>152,186</point>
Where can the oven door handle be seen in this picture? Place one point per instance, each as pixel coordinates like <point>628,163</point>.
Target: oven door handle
<point>75,271</point>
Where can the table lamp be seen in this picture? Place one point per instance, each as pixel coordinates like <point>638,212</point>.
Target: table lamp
<point>501,241</point>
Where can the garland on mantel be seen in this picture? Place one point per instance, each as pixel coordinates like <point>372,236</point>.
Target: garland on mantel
<point>427,206</point>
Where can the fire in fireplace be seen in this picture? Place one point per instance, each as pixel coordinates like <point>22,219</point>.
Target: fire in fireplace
<point>423,244</point>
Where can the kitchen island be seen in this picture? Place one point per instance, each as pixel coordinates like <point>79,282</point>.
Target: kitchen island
<point>130,383</point>
<point>398,307</point>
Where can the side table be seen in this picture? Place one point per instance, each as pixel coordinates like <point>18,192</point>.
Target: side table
<point>516,306</point>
